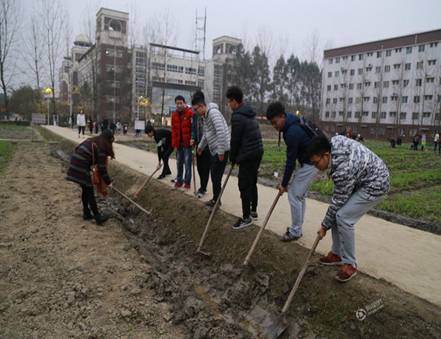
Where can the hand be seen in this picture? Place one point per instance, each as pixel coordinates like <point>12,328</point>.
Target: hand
<point>322,232</point>
<point>199,151</point>
<point>176,149</point>
<point>191,142</point>
<point>159,166</point>
<point>221,157</point>
<point>282,189</point>
<point>110,186</point>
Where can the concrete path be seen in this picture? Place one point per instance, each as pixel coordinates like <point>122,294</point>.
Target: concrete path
<point>406,257</point>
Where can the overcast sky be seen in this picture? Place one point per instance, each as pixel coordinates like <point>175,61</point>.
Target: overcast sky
<point>342,22</point>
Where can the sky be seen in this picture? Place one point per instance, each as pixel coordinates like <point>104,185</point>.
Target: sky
<point>291,22</point>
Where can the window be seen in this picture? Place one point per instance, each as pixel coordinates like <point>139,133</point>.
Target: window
<point>349,114</point>
<point>360,71</point>
<point>357,114</point>
<point>420,65</point>
<point>439,98</point>
<point>352,71</point>
<point>373,115</point>
<point>415,116</point>
<point>328,101</point>
<point>426,115</point>
<point>115,25</point>
<point>335,87</point>
<point>405,83</point>
<point>378,69</point>
<point>354,129</point>
<point>403,116</point>
<point>418,82</point>
<point>379,54</point>
<point>383,115</point>
<point>393,114</point>
<point>359,85</point>
<point>421,48</point>
<point>340,113</point>
<point>369,68</point>
<point>366,99</point>
<point>395,82</point>
<point>394,98</point>
<point>370,54</point>
<point>428,97</point>
<point>326,128</point>
<point>382,130</point>
<point>111,99</point>
<point>345,58</point>
<point>408,50</point>
<point>337,73</point>
<point>350,100</point>
<point>192,83</point>
<point>360,57</point>
<point>344,71</point>
<point>330,61</point>
<point>329,88</point>
<point>329,74</point>
<point>384,100</point>
<point>397,50</point>
<point>365,114</point>
<point>337,60</point>
<point>432,62</point>
<point>352,57</point>
<point>334,101</point>
<point>201,71</point>
<point>333,114</point>
<point>376,84</point>
<point>386,84</point>
<point>333,128</point>
<point>326,114</point>
<point>343,85</point>
<point>437,116</point>
<point>158,66</point>
<point>375,100</point>
<point>407,67</point>
<point>430,80</point>
<point>372,130</point>
<point>388,53</point>
<point>118,69</point>
<point>189,70</point>
<point>416,99</point>
<point>397,66</point>
<point>201,83</point>
<point>358,100</point>
<point>174,68</point>
<point>341,99</point>
<point>367,83</point>
<point>387,68</point>
<point>404,100</point>
<point>351,86</point>
<point>433,44</point>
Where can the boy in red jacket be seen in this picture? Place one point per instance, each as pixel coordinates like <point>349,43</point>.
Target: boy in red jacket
<point>182,120</point>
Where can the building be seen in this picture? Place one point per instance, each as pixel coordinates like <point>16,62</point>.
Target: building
<point>385,88</point>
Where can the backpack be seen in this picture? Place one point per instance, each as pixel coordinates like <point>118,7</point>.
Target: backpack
<point>415,139</point>
<point>309,127</point>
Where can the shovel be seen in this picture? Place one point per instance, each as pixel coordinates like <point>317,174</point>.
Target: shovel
<point>131,201</point>
<point>275,325</point>
<point>247,260</point>
<point>145,182</point>
<point>194,173</point>
<point>212,212</point>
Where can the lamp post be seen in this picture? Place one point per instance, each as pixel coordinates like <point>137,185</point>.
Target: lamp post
<point>48,93</point>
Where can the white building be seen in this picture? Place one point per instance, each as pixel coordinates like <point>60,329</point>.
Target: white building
<point>385,88</point>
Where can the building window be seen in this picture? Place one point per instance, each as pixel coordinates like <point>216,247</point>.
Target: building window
<point>369,68</point>
<point>407,67</point>
<point>360,71</point>
<point>175,68</point>
<point>191,83</point>
<point>439,98</point>
<point>366,99</point>
<point>333,128</point>
<point>394,98</point>
<point>430,80</point>
<point>330,61</point>
<point>340,113</point>
<point>372,130</point>
<point>111,68</point>
<point>333,114</point>
<point>403,116</point>
<point>365,114</point>
<point>416,99</point>
<point>388,53</point>
<point>384,100</point>
<point>397,50</point>
<point>345,58</point>
<point>334,101</point>
<point>382,130</point>
<point>350,100</point>
<point>415,116</point>
<point>351,86</point>
<point>369,54</point>
<point>421,48</point>
<point>341,99</point>
<point>432,62</point>
<point>397,66</point>
<point>349,114</point>
<point>111,99</point>
<point>405,83</point>
<point>329,88</point>
<point>190,70</point>
<point>326,114</point>
<point>344,71</point>
<point>387,68</point>
<point>337,60</point>
<point>428,97</point>
<point>329,74</point>
<point>376,84</point>
<point>201,71</point>
<point>378,69</point>
<point>375,100</point>
<point>360,57</point>
<point>393,114</point>
<point>359,85</point>
<point>404,100</point>
<point>328,101</point>
<point>418,82</point>
<point>201,83</point>
<point>379,54</point>
<point>335,87</point>
<point>426,115</point>
<point>395,82</point>
<point>337,73</point>
<point>352,57</point>
<point>158,66</point>
<point>357,114</point>
<point>352,71</point>
<point>420,65</point>
<point>383,115</point>
<point>408,50</point>
<point>433,44</point>
<point>386,84</point>
<point>374,114</point>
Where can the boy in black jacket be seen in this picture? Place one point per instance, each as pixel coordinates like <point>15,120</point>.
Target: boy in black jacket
<point>163,140</point>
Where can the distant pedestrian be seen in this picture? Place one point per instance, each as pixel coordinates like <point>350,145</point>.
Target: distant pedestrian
<point>90,124</point>
<point>113,127</point>
<point>126,128</point>
<point>81,122</point>
<point>399,141</point>
<point>392,141</point>
<point>416,141</point>
<point>436,141</point>
<point>72,121</point>
<point>423,142</point>
<point>96,125</point>
<point>118,128</point>
<point>105,123</point>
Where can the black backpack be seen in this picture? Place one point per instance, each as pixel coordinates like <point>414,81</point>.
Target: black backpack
<point>415,139</point>
<point>309,127</point>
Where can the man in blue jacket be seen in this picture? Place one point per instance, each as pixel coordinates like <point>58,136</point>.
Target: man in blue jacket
<point>296,140</point>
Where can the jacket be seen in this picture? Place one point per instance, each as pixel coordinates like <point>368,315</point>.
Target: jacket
<point>181,127</point>
<point>246,139</point>
<point>81,119</point>
<point>216,133</point>
<point>163,139</point>
<point>354,167</point>
<point>198,130</point>
<point>296,140</point>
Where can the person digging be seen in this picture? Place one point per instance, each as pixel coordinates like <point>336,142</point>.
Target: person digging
<point>361,181</point>
<point>163,139</point>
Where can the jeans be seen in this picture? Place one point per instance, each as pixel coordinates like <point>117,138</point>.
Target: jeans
<point>203,164</point>
<point>248,186</point>
<point>217,171</point>
<point>88,199</point>
<point>436,144</point>
<point>184,157</point>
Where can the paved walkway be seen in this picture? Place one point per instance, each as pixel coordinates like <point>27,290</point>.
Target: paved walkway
<point>406,257</point>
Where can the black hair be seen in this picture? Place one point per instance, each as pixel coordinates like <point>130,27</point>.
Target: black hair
<point>275,109</point>
<point>318,145</point>
<point>180,97</point>
<point>148,129</point>
<point>198,98</point>
<point>235,93</point>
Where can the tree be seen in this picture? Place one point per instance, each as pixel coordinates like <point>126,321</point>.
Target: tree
<point>279,84</point>
<point>398,91</point>
<point>312,85</point>
<point>27,100</point>
<point>260,79</point>
<point>10,20</point>
<point>378,90</point>
<point>293,82</point>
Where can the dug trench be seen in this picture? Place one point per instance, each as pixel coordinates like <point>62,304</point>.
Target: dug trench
<point>216,297</point>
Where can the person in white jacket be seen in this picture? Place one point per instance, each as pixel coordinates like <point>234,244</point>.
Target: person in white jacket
<point>81,122</point>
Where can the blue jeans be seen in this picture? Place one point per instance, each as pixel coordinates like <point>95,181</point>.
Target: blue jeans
<point>184,156</point>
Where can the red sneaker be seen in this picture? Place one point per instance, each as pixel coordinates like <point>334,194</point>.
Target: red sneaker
<point>177,185</point>
<point>331,260</point>
<point>186,187</point>
<point>346,273</point>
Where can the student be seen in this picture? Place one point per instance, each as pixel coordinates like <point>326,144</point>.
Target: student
<point>361,181</point>
<point>126,128</point>
<point>118,128</point>
<point>90,125</point>
<point>416,141</point>
<point>105,124</point>
<point>436,140</point>
<point>296,140</point>
<point>181,134</point>
<point>113,127</point>
<point>217,136</point>
<point>79,171</point>
<point>246,150</point>
<point>163,139</point>
<point>392,141</point>
<point>81,122</point>
<point>202,161</point>
<point>423,142</point>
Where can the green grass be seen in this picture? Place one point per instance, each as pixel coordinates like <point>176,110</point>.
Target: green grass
<point>6,151</point>
<point>13,128</point>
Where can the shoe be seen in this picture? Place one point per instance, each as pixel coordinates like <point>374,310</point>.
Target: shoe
<point>174,181</point>
<point>201,193</point>
<point>346,273</point>
<point>186,187</point>
<point>287,237</point>
<point>241,223</point>
<point>210,203</point>
<point>167,174</point>
<point>331,260</point>
<point>101,219</point>
<point>78,136</point>
<point>210,210</point>
<point>84,137</point>
<point>162,176</point>
<point>177,185</point>
<point>87,216</point>
<point>254,216</point>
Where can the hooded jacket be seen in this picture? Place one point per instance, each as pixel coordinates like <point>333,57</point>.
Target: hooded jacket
<point>246,139</point>
<point>296,140</point>
<point>216,133</point>
<point>181,127</point>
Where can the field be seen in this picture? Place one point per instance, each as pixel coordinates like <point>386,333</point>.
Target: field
<point>14,132</point>
<point>6,151</point>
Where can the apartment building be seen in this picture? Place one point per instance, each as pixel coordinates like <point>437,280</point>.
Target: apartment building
<point>385,88</point>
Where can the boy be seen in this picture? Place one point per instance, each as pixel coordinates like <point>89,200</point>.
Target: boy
<point>163,140</point>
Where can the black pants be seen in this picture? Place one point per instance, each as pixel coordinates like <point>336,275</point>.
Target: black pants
<point>165,157</point>
<point>203,164</point>
<point>88,198</point>
<point>81,129</point>
<point>248,186</point>
<point>415,146</point>
<point>217,170</point>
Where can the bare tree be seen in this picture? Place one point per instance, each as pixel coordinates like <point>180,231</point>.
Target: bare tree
<point>361,91</point>
<point>344,82</point>
<point>10,20</point>
<point>398,91</point>
<point>378,90</point>
<point>265,40</point>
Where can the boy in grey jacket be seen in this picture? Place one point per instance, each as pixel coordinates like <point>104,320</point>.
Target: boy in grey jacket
<point>361,181</point>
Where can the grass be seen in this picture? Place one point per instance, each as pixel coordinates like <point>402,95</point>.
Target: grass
<point>5,127</point>
<point>6,151</point>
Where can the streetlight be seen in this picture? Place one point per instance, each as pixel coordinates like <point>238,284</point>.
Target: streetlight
<point>48,92</point>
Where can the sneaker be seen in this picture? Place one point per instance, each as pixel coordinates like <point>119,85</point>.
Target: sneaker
<point>177,185</point>
<point>210,210</point>
<point>287,237</point>
<point>78,136</point>
<point>331,260</point>
<point>161,177</point>
<point>346,273</point>
<point>210,203</point>
<point>201,193</point>
<point>84,137</point>
<point>254,216</point>
<point>186,187</point>
<point>87,216</point>
<point>242,223</point>
<point>174,181</point>
<point>101,219</point>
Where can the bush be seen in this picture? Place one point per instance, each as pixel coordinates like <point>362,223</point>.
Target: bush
<point>18,123</point>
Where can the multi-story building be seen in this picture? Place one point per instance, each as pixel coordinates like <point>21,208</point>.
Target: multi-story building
<point>385,88</point>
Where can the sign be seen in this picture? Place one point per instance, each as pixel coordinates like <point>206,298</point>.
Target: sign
<point>139,125</point>
<point>38,118</point>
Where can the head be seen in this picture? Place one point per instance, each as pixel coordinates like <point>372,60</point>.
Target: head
<point>276,115</point>
<point>81,111</point>
<point>149,130</point>
<point>319,152</point>
<point>235,97</point>
<point>105,141</point>
<point>180,103</point>
<point>388,139</point>
<point>198,103</point>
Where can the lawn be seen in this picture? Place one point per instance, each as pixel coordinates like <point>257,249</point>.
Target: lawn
<point>7,127</point>
<point>6,151</point>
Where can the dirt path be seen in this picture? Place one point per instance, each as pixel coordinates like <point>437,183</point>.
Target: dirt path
<point>401,255</point>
